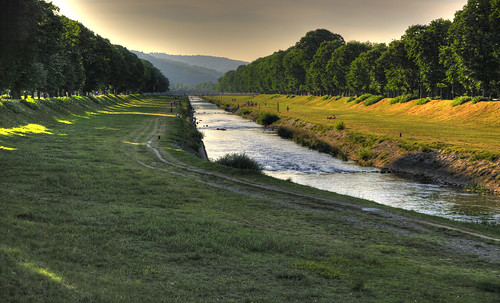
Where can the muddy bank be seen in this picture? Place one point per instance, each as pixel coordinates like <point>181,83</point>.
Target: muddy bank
<point>437,165</point>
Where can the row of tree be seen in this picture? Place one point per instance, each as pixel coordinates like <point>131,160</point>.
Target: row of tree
<point>443,59</point>
<point>44,52</point>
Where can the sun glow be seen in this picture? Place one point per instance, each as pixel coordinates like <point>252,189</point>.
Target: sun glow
<point>67,8</point>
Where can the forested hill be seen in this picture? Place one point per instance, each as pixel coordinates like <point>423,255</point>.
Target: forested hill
<point>180,73</point>
<point>219,64</point>
<point>443,59</point>
<point>44,52</point>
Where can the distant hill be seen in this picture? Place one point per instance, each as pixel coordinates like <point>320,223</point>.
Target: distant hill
<point>219,64</point>
<point>190,70</point>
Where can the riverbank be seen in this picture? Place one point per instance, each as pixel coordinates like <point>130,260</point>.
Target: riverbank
<point>457,145</point>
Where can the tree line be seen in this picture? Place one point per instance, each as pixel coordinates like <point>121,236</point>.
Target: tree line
<point>44,52</point>
<point>442,59</point>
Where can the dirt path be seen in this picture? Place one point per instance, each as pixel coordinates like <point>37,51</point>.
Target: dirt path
<point>161,160</point>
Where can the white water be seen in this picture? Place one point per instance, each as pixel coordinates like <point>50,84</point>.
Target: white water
<point>226,133</point>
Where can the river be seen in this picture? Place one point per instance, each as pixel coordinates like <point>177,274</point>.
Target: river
<point>226,133</point>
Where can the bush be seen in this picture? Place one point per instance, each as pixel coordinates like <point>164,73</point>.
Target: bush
<point>403,98</point>
<point>365,154</point>
<point>349,99</point>
<point>30,104</point>
<point>372,100</point>
<point>284,132</point>
<point>422,101</point>
<point>239,161</point>
<point>362,98</point>
<point>480,99</point>
<point>266,118</point>
<point>245,111</point>
<point>325,97</point>
<point>337,98</point>
<point>339,125</point>
<point>460,100</point>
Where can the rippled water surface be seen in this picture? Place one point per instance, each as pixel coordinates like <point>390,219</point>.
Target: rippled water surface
<point>227,133</point>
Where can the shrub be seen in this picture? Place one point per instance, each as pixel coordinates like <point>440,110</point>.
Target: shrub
<point>460,100</point>
<point>337,98</point>
<point>403,98</point>
<point>284,132</point>
<point>239,161</point>
<point>422,101</point>
<point>30,104</point>
<point>339,125</point>
<point>364,154</point>
<point>266,118</point>
<point>362,98</point>
<point>325,97</point>
<point>275,96</point>
<point>480,99</point>
<point>372,100</point>
<point>349,99</point>
<point>245,111</point>
<point>311,97</point>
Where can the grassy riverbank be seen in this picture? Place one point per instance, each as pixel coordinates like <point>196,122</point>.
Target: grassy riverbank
<point>455,144</point>
<point>92,212</point>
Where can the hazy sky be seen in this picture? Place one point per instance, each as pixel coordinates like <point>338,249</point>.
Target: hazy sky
<point>248,29</point>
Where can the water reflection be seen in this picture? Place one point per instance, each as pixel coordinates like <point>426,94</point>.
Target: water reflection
<point>226,133</point>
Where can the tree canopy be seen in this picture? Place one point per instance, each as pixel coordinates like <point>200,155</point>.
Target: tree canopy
<point>45,52</point>
<point>442,59</point>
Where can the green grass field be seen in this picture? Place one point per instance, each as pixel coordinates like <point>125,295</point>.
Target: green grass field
<point>89,213</point>
<point>468,126</point>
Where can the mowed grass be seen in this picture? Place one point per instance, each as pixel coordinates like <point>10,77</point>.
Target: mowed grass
<point>85,218</point>
<point>469,126</point>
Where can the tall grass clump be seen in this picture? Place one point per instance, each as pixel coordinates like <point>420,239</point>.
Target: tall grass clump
<point>422,101</point>
<point>372,100</point>
<point>480,99</point>
<point>339,125</point>
<point>403,98</point>
<point>362,98</point>
<point>460,100</point>
<point>239,161</point>
<point>267,118</point>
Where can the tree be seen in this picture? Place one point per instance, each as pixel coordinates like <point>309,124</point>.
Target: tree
<point>315,78</point>
<point>338,66</point>
<point>423,45</point>
<point>475,34</point>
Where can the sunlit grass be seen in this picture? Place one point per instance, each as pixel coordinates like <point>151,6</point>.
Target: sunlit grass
<point>24,130</point>
<point>47,273</point>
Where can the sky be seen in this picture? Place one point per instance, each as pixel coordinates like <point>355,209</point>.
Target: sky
<point>248,29</point>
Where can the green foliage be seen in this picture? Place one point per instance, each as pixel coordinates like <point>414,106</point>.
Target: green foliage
<point>480,99</point>
<point>245,111</point>
<point>239,161</point>
<point>422,101</point>
<point>365,154</point>
<point>460,100</point>
<point>13,106</point>
<point>30,103</point>
<point>349,99</point>
<point>325,97</point>
<point>403,98</point>
<point>267,118</point>
<point>285,133</point>
<point>372,100</point>
<point>339,125</point>
<point>362,98</point>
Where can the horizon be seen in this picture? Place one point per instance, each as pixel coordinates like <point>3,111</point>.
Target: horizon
<point>244,31</point>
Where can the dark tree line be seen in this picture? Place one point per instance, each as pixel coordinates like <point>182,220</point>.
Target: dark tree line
<point>44,52</point>
<point>444,59</point>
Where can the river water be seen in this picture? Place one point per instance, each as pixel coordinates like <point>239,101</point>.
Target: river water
<point>226,133</point>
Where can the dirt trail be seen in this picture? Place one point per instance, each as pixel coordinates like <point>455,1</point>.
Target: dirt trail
<point>159,159</point>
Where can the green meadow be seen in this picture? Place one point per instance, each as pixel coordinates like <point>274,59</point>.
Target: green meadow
<point>100,202</point>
